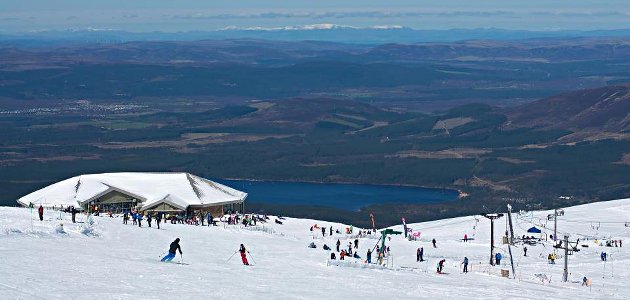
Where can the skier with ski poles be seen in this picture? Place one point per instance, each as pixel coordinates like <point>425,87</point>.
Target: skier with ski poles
<point>465,263</point>
<point>242,250</point>
<point>172,251</point>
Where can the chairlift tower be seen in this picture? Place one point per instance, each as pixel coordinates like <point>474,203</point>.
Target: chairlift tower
<point>492,217</point>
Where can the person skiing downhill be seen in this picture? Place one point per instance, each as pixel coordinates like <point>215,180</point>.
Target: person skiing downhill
<point>173,250</point>
<point>440,266</point>
<point>243,255</point>
<point>40,211</point>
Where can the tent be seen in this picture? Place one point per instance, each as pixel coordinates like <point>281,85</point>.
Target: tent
<point>534,230</point>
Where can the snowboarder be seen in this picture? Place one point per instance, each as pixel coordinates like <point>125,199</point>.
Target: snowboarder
<point>465,263</point>
<point>356,243</point>
<point>525,251</point>
<point>149,219</point>
<point>338,244</point>
<point>323,231</point>
<point>440,265</point>
<point>173,250</point>
<point>333,256</point>
<point>369,256</point>
<point>498,258</point>
<point>434,243</point>
<point>242,250</point>
<point>40,211</point>
<point>326,247</point>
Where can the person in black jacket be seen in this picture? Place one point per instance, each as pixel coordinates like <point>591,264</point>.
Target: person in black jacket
<point>243,255</point>
<point>173,250</point>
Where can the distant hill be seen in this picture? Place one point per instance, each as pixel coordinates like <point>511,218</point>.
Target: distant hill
<point>601,109</point>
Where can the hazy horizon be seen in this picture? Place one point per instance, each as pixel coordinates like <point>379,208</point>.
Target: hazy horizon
<point>188,15</point>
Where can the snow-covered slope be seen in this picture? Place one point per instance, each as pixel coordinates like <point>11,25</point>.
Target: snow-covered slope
<point>114,261</point>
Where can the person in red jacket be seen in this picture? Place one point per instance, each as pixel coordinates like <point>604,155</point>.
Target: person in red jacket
<point>40,210</point>
<point>243,255</point>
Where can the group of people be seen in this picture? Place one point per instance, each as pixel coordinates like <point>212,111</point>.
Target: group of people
<point>70,209</point>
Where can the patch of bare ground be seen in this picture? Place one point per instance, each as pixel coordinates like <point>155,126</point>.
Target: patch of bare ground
<point>17,159</point>
<point>313,165</point>
<point>479,182</point>
<point>625,160</point>
<point>376,124</point>
<point>198,139</point>
<point>533,173</point>
<point>451,123</point>
<point>593,136</point>
<point>515,160</point>
<point>457,153</point>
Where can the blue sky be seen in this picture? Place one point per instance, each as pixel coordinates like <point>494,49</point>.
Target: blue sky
<point>186,15</point>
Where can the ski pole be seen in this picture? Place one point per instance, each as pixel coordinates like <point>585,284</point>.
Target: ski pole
<point>231,257</point>
<point>252,257</point>
<point>181,257</point>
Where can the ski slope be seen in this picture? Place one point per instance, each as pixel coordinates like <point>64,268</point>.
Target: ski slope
<point>110,260</point>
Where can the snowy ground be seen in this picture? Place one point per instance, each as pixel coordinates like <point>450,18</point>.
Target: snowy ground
<point>118,261</point>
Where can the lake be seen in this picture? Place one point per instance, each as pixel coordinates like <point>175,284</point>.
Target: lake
<point>343,196</point>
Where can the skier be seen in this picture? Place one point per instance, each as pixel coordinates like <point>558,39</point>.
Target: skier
<point>40,211</point>
<point>149,219</point>
<point>525,251</point>
<point>173,250</point>
<point>74,214</point>
<point>465,263</point>
<point>342,254</point>
<point>338,244</point>
<point>350,248</point>
<point>209,219</point>
<point>434,243</point>
<point>498,258</point>
<point>323,231</point>
<point>139,216</point>
<point>125,217</point>
<point>158,219</point>
<point>356,243</point>
<point>369,256</point>
<point>465,237</point>
<point>243,255</point>
<point>440,266</point>
<point>331,233</point>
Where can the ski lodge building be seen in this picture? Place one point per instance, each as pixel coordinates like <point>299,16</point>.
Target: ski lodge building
<point>149,192</point>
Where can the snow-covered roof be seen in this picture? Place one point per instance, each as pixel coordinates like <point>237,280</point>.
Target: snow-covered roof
<point>178,189</point>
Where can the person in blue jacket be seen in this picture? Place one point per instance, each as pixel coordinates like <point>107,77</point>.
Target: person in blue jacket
<point>173,250</point>
<point>498,258</point>
<point>139,220</point>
